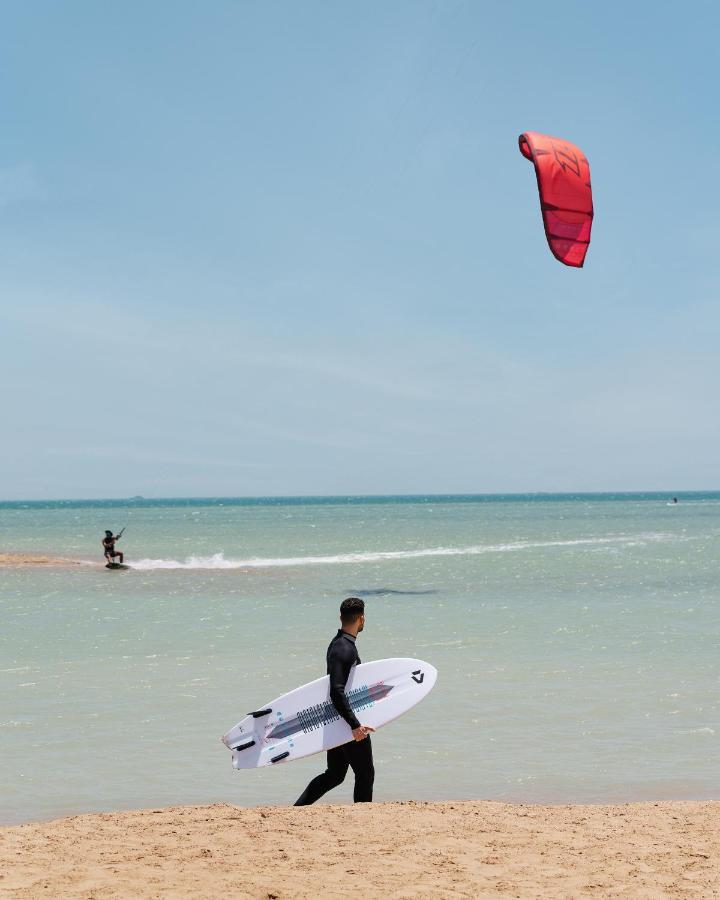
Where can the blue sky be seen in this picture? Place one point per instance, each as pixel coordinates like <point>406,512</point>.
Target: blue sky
<point>292,248</point>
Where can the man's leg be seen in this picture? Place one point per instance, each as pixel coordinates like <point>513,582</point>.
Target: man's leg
<point>359,755</point>
<point>334,775</point>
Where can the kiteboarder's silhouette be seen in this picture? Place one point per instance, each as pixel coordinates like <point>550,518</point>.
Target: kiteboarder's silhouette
<point>108,543</point>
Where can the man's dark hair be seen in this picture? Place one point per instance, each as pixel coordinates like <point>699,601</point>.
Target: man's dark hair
<point>351,609</point>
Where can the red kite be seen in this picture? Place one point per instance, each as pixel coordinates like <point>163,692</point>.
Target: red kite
<point>563,177</point>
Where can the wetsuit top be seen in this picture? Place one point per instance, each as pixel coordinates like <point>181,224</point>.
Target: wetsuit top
<point>342,655</point>
<point>109,545</point>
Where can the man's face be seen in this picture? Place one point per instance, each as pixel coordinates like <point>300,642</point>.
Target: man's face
<point>362,622</point>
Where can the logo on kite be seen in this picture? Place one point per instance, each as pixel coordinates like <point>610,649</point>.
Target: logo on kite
<point>563,178</point>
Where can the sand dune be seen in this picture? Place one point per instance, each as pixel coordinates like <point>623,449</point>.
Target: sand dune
<point>445,850</point>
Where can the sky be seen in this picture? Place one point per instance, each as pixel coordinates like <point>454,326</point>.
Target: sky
<point>291,248</point>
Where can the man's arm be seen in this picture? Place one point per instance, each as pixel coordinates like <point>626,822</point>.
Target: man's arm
<point>339,665</point>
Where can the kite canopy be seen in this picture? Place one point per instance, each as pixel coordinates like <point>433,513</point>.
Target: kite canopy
<point>563,177</point>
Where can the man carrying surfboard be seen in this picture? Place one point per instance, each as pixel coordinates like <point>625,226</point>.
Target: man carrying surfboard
<point>109,545</point>
<point>342,655</point>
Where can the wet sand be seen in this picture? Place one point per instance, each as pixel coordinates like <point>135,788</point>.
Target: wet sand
<point>440,850</point>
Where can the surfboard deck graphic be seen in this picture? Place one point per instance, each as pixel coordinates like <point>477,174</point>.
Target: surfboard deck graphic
<point>304,721</point>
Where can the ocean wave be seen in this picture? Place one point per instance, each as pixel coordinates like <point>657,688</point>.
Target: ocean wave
<point>218,560</point>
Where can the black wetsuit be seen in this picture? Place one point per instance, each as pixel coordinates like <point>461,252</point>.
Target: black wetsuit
<point>342,655</point>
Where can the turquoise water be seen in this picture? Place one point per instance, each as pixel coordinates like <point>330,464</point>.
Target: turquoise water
<point>576,639</point>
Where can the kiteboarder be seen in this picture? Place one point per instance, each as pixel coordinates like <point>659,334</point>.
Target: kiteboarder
<point>342,655</point>
<point>108,543</point>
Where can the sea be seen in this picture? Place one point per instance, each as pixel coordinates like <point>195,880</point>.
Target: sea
<point>576,637</point>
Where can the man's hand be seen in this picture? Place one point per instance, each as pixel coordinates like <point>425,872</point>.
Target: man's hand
<point>361,732</point>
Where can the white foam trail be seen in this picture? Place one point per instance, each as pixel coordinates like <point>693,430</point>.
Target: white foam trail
<point>218,561</point>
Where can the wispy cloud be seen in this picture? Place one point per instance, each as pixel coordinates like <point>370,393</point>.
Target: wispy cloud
<point>133,455</point>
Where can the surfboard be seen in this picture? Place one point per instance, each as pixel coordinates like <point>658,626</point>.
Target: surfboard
<point>116,566</point>
<point>304,721</point>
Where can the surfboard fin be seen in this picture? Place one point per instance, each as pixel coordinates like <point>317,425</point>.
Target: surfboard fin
<point>259,713</point>
<point>281,756</point>
<point>245,746</point>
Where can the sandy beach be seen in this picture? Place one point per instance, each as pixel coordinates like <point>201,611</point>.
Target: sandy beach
<point>453,849</point>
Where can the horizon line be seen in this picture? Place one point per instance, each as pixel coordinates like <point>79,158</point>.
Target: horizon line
<point>249,497</point>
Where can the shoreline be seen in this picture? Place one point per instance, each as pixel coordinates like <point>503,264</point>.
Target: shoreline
<point>399,849</point>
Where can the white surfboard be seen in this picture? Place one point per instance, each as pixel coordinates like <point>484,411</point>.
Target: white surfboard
<point>305,721</point>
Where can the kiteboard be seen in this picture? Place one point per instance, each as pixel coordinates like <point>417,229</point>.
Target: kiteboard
<point>116,566</point>
<point>305,721</point>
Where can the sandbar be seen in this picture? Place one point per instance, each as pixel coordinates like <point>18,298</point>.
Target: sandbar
<point>30,560</point>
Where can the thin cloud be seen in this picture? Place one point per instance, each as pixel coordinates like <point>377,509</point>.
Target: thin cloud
<point>133,455</point>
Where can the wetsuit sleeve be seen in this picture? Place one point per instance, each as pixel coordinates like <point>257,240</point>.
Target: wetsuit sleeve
<point>340,662</point>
